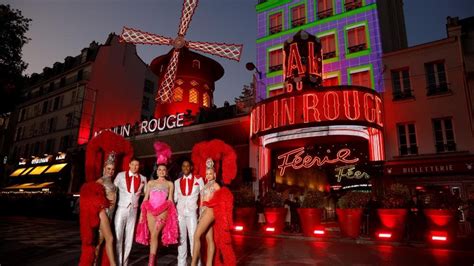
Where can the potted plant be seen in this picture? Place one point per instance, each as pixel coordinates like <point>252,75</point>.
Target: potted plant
<point>311,211</point>
<point>244,211</point>
<point>441,212</point>
<point>349,212</point>
<point>274,211</point>
<point>393,212</point>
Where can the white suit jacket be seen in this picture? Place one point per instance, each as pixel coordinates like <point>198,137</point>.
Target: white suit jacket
<point>126,198</point>
<point>187,205</point>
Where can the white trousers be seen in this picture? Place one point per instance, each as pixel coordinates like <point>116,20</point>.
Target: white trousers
<point>125,219</point>
<point>187,228</point>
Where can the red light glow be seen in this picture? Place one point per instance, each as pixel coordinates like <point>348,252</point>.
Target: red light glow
<point>270,229</point>
<point>319,232</point>
<point>439,236</point>
<point>385,235</point>
<point>239,228</point>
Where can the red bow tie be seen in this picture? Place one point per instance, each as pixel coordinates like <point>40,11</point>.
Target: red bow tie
<point>136,182</point>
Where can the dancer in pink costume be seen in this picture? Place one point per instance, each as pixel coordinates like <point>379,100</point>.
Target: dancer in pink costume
<point>158,211</point>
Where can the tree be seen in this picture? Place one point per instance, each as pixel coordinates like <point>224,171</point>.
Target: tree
<point>13,27</point>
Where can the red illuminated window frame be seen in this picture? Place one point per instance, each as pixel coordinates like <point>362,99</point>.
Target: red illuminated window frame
<point>331,81</point>
<point>356,39</point>
<point>328,44</point>
<point>276,60</point>
<point>352,4</point>
<point>407,144</point>
<point>325,9</point>
<point>361,78</point>
<point>276,23</point>
<point>298,15</point>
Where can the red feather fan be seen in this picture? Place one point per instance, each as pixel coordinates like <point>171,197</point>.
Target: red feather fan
<point>221,153</point>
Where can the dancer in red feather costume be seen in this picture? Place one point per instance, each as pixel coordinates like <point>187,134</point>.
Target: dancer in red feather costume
<point>94,204</point>
<point>217,202</point>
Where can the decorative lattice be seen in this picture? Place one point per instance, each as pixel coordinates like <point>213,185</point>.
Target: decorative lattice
<point>229,51</point>
<point>179,82</point>
<point>205,100</point>
<point>187,12</point>
<point>178,94</point>
<point>166,87</point>
<point>141,37</point>
<point>193,96</point>
<point>194,83</point>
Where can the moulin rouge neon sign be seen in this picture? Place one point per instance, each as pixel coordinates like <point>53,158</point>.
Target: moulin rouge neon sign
<point>296,160</point>
<point>306,103</point>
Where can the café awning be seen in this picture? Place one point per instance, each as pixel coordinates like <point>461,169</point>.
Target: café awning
<point>38,170</point>
<point>55,168</point>
<point>18,171</point>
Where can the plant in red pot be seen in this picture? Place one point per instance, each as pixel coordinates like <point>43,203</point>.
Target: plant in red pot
<point>440,214</point>
<point>274,212</point>
<point>311,211</point>
<point>244,211</point>
<point>393,212</point>
<point>349,212</point>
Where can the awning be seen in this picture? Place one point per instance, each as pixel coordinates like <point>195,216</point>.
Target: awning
<point>30,185</point>
<point>41,185</point>
<point>38,170</point>
<point>17,172</point>
<point>25,185</point>
<point>55,168</point>
<point>27,171</point>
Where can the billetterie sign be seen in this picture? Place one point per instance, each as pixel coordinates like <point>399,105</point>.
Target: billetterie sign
<point>149,126</point>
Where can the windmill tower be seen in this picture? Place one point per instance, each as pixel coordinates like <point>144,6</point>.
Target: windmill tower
<point>166,67</point>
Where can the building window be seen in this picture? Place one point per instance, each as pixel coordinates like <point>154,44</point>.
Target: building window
<point>65,142</point>
<point>328,44</point>
<point>407,139</point>
<point>45,107</point>
<point>149,85</point>
<point>193,96</point>
<point>51,124</point>
<point>73,97</point>
<point>401,88</point>
<point>19,133</point>
<point>205,100</point>
<point>145,103</point>
<point>80,74</point>
<point>69,120</point>
<point>51,86</point>
<point>196,64</point>
<point>49,146</point>
<point>276,23</point>
<point>352,4</point>
<point>62,82</point>
<point>356,39</point>
<point>56,103</point>
<point>276,60</point>
<point>298,15</point>
<point>325,9</point>
<point>331,81</point>
<point>361,78</point>
<point>275,92</point>
<point>178,94</point>
<point>436,78</point>
<point>444,135</point>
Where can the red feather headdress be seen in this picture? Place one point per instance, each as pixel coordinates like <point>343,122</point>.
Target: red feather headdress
<point>221,153</point>
<point>163,152</point>
<point>100,147</point>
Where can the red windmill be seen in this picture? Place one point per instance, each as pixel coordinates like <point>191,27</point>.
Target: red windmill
<point>165,89</point>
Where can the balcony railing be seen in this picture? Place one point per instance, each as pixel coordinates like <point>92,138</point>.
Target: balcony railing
<point>357,48</point>
<point>329,55</point>
<point>298,22</point>
<point>444,147</point>
<point>275,68</point>
<point>434,89</point>
<point>353,5</point>
<point>276,29</point>
<point>401,95</point>
<point>412,150</point>
<point>325,13</point>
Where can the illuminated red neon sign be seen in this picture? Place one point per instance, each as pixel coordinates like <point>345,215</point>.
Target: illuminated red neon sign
<point>344,105</point>
<point>295,160</point>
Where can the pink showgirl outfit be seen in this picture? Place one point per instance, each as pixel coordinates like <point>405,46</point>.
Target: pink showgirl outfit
<point>156,205</point>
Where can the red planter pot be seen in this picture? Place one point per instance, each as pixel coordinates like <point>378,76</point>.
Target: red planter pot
<point>349,221</point>
<point>310,219</point>
<point>393,221</point>
<point>245,217</point>
<point>275,218</point>
<point>439,219</point>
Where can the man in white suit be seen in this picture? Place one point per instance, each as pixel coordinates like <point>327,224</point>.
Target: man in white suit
<point>186,194</point>
<point>130,185</point>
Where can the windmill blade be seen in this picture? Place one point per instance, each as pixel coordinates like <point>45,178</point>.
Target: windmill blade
<point>229,51</point>
<point>189,6</point>
<point>142,37</point>
<point>166,87</point>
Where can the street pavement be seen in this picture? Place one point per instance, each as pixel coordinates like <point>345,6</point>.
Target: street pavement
<point>39,241</point>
